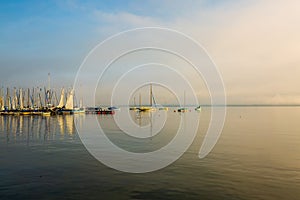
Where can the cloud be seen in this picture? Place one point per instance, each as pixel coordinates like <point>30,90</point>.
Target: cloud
<point>125,18</point>
<point>114,22</point>
<point>255,44</point>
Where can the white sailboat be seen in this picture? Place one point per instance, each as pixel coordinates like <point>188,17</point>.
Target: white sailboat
<point>14,100</point>
<point>62,97</point>
<point>183,109</point>
<point>1,100</point>
<point>70,100</point>
<point>198,108</point>
<point>8,103</point>
<point>21,104</point>
<point>80,109</point>
<point>69,108</point>
<point>148,108</point>
<point>134,107</point>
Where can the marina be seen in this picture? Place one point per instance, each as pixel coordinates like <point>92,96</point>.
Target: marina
<point>46,102</point>
<point>38,101</point>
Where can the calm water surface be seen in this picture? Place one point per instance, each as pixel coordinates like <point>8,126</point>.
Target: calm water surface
<point>256,157</point>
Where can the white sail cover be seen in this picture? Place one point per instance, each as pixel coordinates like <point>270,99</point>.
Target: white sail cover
<point>15,100</point>
<point>21,99</point>
<point>62,97</point>
<point>1,103</point>
<point>13,105</point>
<point>69,103</point>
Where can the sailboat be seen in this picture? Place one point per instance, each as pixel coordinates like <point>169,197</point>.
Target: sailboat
<point>1,100</point>
<point>27,110</point>
<point>198,108</point>
<point>183,109</point>
<point>163,108</point>
<point>62,97</point>
<point>134,107</point>
<point>68,108</point>
<point>148,108</point>
<point>46,113</point>
<point>79,109</point>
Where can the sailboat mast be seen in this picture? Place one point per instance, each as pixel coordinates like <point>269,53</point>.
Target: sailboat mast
<point>80,103</point>
<point>1,100</point>
<point>140,99</point>
<point>184,99</point>
<point>40,98</point>
<point>49,86</point>
<point>28,98</point>
<point>134,102</point>
<point>62,97</point>
<point>21,99</point>
<point>8,99</point>
<point>33,98</point>
<point>151,95</point>
<point>14,101</point>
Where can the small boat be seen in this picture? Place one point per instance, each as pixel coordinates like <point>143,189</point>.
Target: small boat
<point>182,110</point>
<point>113,108</point>
<point>105,112</point>
<point>133,108</point>
<point>146,109</point>
<point>163,108</point>
<point>91,110</point>
<point>47,113</point>
<point>78,110</point>
<point>198,108</point>
<point>5,113</point>
<point>25,112</point>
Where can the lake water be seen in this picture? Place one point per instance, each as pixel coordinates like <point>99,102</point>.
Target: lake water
<point>256,157</point>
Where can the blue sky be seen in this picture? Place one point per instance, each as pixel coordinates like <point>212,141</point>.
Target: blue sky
<point>255,44</point>
<point>40,36</point>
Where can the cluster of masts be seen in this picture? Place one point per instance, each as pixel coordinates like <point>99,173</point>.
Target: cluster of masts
<point>37,101</point>
<point>42,101</point>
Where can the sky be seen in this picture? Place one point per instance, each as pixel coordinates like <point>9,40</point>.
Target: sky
<point>255,44</point>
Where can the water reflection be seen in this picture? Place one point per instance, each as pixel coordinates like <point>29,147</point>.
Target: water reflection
<point>36,129</point>
<point>147,132</point>
<point>257,157</point>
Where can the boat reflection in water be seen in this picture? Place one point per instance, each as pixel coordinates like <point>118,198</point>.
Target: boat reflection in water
<point>256,157</point>
<point>142,131</point>
<point>33,129</point>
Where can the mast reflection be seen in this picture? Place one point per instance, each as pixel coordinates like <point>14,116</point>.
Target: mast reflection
<point>36,129</point>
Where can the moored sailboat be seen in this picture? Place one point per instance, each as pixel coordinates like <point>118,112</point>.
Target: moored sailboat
<point>68,108</point>
<point>183,109</point>
<point>198,108</point>
<point>147,108</point>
